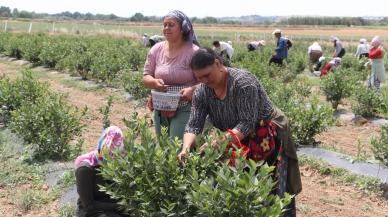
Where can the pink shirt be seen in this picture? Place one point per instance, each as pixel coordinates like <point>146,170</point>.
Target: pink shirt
<point>173,71</point>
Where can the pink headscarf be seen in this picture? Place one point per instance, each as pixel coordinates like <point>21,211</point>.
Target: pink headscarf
<point>111,139</point>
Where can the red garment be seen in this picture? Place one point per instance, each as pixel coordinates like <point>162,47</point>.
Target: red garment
<point>261,143</point>
<point>376,53</point>
<point>326,69</point>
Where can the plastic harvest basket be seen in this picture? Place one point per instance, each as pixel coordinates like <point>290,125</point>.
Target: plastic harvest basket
<point>165,101</point>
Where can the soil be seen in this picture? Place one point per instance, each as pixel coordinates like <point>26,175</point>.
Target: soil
<point>345,138</point>
<point>321,195</point>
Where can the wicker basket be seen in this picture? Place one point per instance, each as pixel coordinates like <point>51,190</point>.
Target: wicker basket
<point>165,101</point>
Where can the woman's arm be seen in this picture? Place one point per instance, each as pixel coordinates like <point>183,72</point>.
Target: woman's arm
<point>153,83</point>
<point>187,93</point>
<point>195,123</point>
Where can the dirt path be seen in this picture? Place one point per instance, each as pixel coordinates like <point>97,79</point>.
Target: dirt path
<point>345,138</point>
<point>321,195</point>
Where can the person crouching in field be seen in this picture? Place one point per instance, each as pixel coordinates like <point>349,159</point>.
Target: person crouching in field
<point>281,49</point>
<point>362,49</point>
<point>224,50</point>
<point>376,56</point>
<point>92,202</point>
<point>256,46</point>
<point>155,39</point>
<point>315,52</point>
<point>334,63</point>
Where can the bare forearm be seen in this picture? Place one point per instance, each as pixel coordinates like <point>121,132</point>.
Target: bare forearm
<point>188,141</point>
<point>149,81</point>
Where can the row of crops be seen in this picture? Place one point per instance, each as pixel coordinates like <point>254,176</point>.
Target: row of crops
<point>118,62</point>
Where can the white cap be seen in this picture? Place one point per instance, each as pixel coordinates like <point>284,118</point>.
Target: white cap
<point>276,31</point>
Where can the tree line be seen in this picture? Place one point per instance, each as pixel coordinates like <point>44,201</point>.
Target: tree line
<point>139,17</point>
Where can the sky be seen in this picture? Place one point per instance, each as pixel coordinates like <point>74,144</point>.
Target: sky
<point>203,8</point>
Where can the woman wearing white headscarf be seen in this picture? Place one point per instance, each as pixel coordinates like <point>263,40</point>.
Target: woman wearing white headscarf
<point>315,52</point>
<point>362,49</point>
<point>376,56</point>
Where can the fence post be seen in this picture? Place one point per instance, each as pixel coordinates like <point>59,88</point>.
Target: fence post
<point>5,26</point>
<point>30,28</point>
<point>53,27</point>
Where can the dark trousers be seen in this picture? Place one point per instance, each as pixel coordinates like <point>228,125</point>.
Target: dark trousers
<point>341,53</point>
<point>275,60</point>
<point>364,55</point>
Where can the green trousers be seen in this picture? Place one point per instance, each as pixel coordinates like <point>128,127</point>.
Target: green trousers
<point>176,125</point>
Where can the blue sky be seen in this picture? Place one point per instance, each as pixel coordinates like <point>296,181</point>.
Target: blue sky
<point>202,8</point>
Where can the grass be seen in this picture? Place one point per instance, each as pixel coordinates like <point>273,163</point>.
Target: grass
<point>67,210</point>
<point>303,208</point>
<point>22,182</point>
<point>332,200</point>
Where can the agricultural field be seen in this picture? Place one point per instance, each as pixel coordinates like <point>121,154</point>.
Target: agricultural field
<point>92,75</point>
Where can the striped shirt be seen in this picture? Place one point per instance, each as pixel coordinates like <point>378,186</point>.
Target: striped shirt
<point>245,103</point>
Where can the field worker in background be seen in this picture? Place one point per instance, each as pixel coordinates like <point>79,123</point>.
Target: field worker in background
<point>281,49</point>
<point>167,67</point>
<point>315,52</point>
<point>319,66</point>
<point>362,49</point>
<point>376,56</point>
<point>145,39</point>
<point>223,48</point>
<point>339,48</point>
<point>333,64</point>
<point>256,45</point>
<point>156,39</point>
<point>92,202</point>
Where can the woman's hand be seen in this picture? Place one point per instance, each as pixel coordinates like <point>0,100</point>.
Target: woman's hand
<point>182,156</point>
<point>187,93</point>
<point>159,85</point>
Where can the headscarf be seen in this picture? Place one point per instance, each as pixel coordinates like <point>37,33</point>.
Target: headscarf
<point>363,41</point>
<point>187,26</point>
<point>336,61</point>
<point>334,38</point>
<point>111,139</point>
<point>376,42</point>
<point>276,31</point>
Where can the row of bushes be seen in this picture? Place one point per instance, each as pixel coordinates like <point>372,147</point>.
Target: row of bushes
<point>42,118</point>
<point>103,59</point>
<point>349,83</point>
